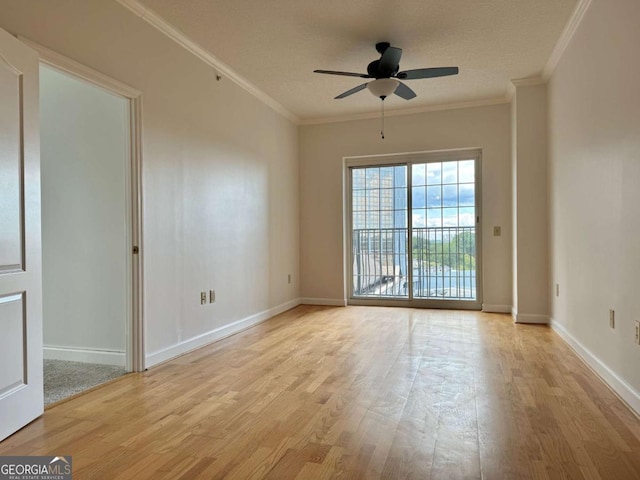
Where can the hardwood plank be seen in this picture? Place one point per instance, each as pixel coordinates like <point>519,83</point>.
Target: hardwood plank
<point>352,393</point>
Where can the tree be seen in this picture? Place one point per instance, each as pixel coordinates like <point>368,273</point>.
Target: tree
<point>458,253</point>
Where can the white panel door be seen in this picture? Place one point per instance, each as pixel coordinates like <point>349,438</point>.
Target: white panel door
<point>21,388</point>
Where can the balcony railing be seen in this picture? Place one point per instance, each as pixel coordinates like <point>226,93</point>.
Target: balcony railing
<point>443,263</point>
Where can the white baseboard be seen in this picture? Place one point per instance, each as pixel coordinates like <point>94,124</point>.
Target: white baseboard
<point>608,376</point>
<point>496,308</point>
<point>334,302</point>
<point>85,355</point>
<point>531,318</point>
<point>217,334</point>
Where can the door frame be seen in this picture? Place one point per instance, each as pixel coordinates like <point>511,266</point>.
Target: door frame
<point>135,351</point>
<point>406,159</point>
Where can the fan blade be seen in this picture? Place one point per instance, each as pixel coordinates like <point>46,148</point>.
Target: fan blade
<point>352,91</point>
<point>427,73</point>
<point>390,59</point>
<point>404,92</point>
<point>344,74</point>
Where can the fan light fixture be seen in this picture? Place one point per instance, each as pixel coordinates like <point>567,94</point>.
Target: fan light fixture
<point>383,87</point>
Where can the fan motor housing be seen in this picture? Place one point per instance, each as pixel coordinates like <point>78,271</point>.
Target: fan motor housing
<point>374,70</point>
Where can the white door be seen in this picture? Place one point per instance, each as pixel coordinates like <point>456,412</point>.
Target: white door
<point>21,387</point>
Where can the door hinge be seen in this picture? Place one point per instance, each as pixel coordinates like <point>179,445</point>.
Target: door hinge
<point>135,250</point>
<point>477,219</point>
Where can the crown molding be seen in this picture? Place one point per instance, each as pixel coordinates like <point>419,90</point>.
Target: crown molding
<point>184,41</point>
<point>522,82</point>
<point>406,111</point>
<point>528,81</point>
<point>563,42</point>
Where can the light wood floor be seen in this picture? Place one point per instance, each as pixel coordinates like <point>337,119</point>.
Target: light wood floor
<point>355,392</point>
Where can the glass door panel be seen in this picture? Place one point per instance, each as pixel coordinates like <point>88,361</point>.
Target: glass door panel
<point>379,232</point>
<point>443,230</point>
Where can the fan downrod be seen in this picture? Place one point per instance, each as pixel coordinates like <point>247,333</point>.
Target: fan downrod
<point>381,47</point>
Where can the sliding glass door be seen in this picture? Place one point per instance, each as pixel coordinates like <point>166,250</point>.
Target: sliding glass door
<point>414,231</point>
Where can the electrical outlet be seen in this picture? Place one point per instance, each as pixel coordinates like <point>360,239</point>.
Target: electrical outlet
<point>637,333</point>
<point>557,289</point>
<point>203,298</point>
<point>289,278</point>
<point>497,231</point>
<point>612,318</point>
<point>212,296</point>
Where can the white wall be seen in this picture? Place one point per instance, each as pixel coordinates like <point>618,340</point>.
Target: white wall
<point>594,186</point>
<point>220,173</point>
<point>322,148</point>
<point>83,144</point>
<point>529,164</point>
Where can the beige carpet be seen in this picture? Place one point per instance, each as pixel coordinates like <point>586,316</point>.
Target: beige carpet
<point>63,379</point>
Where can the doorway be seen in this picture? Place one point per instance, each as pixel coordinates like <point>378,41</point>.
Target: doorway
<point>86,180</point>
<point>414,230</point>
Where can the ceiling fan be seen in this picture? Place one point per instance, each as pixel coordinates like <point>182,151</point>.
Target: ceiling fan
<point>387,77</point>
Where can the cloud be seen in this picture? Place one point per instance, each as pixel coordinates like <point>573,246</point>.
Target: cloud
<point>466,171</point>
<point>467,194</point>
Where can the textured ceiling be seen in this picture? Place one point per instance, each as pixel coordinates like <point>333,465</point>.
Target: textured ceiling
<point>276,45</point>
